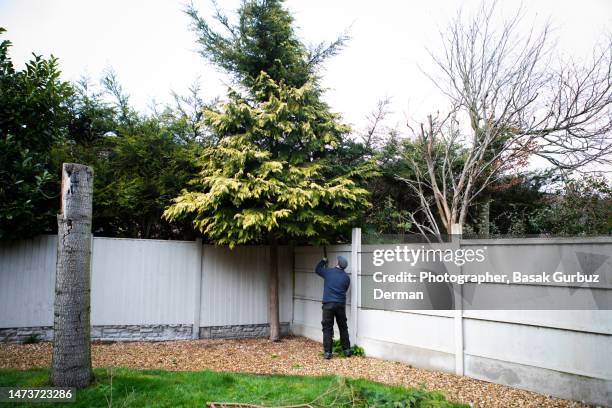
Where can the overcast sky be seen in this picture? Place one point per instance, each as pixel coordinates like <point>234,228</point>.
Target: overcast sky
<point>149,44</point>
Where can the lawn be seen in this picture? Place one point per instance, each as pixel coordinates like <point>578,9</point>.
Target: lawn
<point>160,388</point>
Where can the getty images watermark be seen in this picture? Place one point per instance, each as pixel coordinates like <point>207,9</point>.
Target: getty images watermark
<point>509,277</point>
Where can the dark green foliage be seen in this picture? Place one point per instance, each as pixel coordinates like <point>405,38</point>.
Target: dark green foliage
<point>579,207</point>
<point>31,339</point>
<point>416,398</point>
<point>33,118</point>
<point>145,169</point>
<point>184,119</point>
<point>90,117</point>
<point>261,40</point>
<point>141,162</point>
<point>355,349</point>
<point>386,218</point>
<point>158,388</point>
<point>545,204</point>
<point>514,199</point>
<point>393,200</point>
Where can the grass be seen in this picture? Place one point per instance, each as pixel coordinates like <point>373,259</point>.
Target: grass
<point>159,388</point>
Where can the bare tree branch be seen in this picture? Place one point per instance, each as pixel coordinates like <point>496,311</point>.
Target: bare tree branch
<point>510,101</point>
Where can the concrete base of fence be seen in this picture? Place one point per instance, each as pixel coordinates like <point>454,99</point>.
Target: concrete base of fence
<point>242,331</point>
<point>123,332</point>
<point>155,332</point>
<point>21,334</point>
<point>415,356</point>
<point>563,385</point>
<point>149,332</point>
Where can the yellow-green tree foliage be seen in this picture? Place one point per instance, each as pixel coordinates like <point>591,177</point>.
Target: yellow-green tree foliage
<point>275,171</point>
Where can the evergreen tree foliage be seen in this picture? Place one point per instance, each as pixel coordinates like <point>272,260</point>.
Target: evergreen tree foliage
<point>276,171</point>
<point>141,161</point>
<point>270,175</point>
<point>33,119</point>
<point>261,40</point>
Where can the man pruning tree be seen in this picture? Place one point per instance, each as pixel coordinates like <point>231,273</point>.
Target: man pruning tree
<point>335,286</point>
<point>275,175</point>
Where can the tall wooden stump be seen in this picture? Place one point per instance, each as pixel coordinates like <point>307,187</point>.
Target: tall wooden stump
<point>71,366</point>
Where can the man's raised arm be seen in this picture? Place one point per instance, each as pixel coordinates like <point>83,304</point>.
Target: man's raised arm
<point>320,269</point>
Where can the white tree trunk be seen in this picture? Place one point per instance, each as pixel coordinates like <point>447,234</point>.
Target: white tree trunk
<point>71,365</point>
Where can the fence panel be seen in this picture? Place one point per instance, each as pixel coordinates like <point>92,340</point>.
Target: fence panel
<point>309,289</point>
<point>27,281</point>
<point>235,285</point>
<point>142,282</point>
<point>145,289</point>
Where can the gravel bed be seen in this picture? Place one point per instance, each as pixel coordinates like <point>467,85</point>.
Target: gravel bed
<point>293,355</point>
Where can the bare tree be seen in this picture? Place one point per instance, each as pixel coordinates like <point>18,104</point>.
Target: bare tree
<point>510,100</point>
<point>71,365</point>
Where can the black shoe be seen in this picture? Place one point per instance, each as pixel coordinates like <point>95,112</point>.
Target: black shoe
<point>327,356</point>
<point>347,352</point>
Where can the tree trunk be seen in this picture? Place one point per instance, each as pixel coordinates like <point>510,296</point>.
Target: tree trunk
<point>273,312</point>
<point>71,365</point>
<point>484,224</point>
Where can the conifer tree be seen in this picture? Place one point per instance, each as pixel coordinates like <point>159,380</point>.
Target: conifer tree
<point>275,174</point>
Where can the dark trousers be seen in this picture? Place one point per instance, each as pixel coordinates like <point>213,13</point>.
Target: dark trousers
<point>337,310</point>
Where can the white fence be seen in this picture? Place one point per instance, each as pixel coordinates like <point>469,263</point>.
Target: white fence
<point>138,282</point>
<point>149,289</point>
<point>27,279</point>
<point>235,285</point>
<point>563,353</point>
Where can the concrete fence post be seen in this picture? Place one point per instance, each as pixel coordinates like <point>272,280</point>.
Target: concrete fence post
<point>355,283</point>
<point>197,286</point>
<point>456,235</point>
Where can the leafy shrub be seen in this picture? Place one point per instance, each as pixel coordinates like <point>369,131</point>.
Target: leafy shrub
<point>411,398</point>
<point>355,349</point>
<point>31,339</point>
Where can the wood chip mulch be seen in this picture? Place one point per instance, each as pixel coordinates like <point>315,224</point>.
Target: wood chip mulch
<point>293,355</point>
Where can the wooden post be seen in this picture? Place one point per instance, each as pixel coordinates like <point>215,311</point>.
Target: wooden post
<point>71,362</point>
